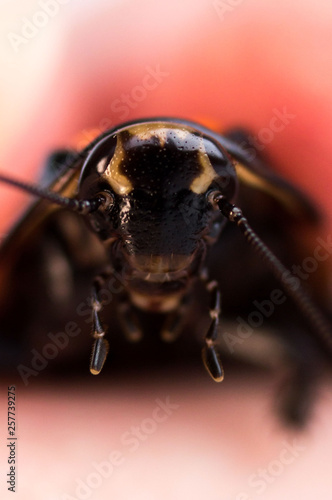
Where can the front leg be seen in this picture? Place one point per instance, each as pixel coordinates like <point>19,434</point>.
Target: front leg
<point>100,345</point>
<point>175,321</point>
<point>209,353</point>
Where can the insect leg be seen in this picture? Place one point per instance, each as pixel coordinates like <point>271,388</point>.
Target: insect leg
<point>129,321</point>
<point>209,353</point>
<point>321,326</point>
<point>173,325</point>
<point>100,346</point>
<point>296,395</point>
<point>298,387</point>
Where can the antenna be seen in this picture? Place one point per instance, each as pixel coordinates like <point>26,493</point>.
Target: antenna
<point>82,207</point>
<point>320,325</point>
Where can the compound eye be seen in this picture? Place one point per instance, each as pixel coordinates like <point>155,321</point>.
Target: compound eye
<point>101,218</point>
<point>213,196</point>
<point>106,201</point>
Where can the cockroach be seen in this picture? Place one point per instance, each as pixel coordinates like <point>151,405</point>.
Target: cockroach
<point>162,205</point>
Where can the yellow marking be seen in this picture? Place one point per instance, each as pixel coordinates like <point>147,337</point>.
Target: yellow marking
<point>101,165</point>
<point>119,182</point>
<point>146,131</point>
<point>158,304</point>
<point>181,133</point>
<point>161,264</point>
<point>255,180</point>
<point>200,184</point>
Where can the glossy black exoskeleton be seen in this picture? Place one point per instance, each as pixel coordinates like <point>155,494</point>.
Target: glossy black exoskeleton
<point>161,199</point>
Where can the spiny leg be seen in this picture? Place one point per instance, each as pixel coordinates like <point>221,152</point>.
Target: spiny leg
<point>209,353</point>
<point>100,345</point>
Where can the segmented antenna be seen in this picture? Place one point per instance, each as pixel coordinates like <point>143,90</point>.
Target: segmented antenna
<point>82,207</point>
<point>320,325</point>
